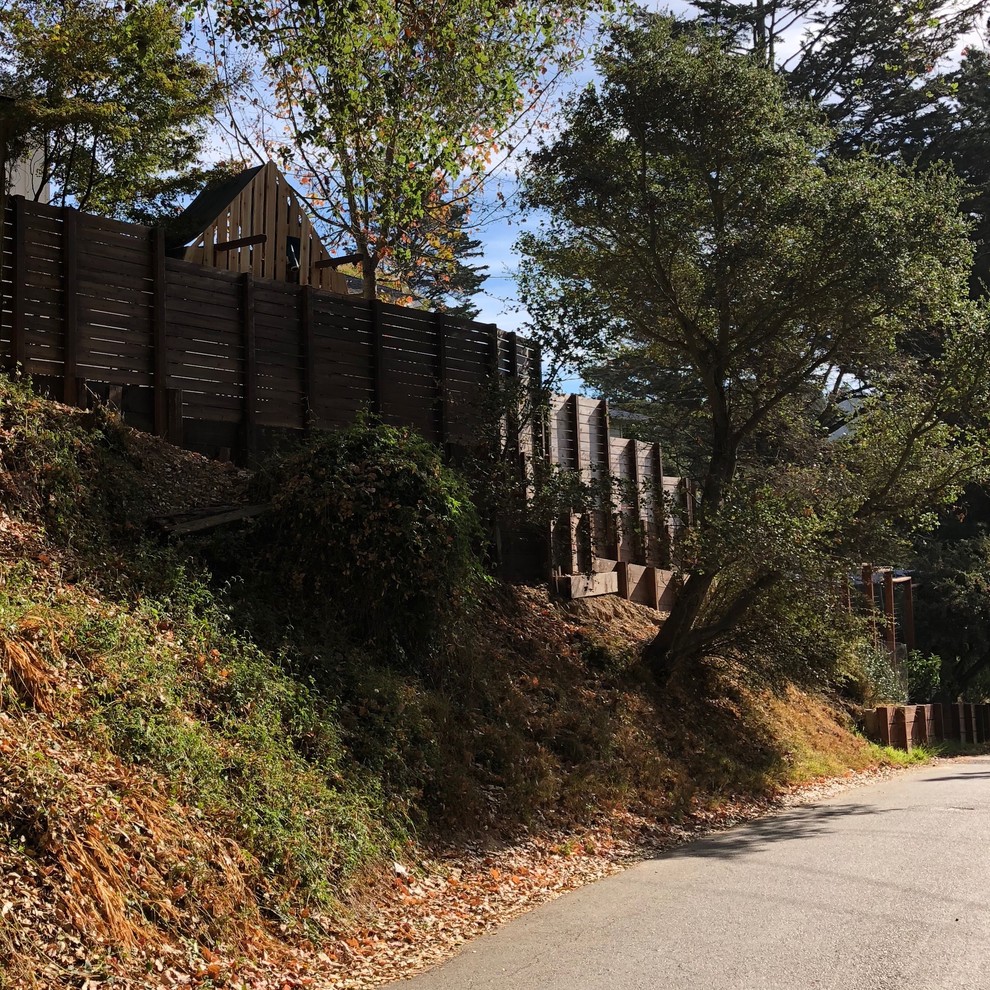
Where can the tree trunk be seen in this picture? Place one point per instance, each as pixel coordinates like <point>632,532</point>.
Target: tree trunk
<point>665,655</point>
<point>369,277</point>
<point>672,651</point>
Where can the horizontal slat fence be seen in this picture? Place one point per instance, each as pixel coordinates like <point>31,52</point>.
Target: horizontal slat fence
<point>224,361</point>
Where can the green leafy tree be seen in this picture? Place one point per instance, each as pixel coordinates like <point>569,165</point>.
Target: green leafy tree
<point>697,221</point>
<point>445,279</point>
<point>394,111</point>
<point>952,612</point>
<point>117,108</point>
<point>890,77</point>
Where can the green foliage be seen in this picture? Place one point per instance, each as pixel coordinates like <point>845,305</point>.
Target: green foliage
<point>394,110</point>
<point>923,675</point>
<point>952,612</point>
<point>168,687</point>
<point>367,525</point>
<point>777,291</point>
<point>117,108</point>
<point>883,681</point>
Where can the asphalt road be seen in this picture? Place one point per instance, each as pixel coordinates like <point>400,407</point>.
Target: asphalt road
<point>885,886</point>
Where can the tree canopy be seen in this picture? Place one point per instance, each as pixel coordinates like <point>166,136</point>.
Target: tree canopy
<point>699,223</point>
<point>107,94</point>
<point>391,111</point>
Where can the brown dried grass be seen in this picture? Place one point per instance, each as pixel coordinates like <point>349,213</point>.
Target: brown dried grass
<point>107,854</point>
<point>30,677</point>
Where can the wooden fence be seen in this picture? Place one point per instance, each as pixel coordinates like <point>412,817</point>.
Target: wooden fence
<point>625,545</point>
<point>226,362</point>
<point>219,361</point>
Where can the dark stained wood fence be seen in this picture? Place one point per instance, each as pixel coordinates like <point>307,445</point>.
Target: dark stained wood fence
<point>226,363</point>
<point>221,361</point>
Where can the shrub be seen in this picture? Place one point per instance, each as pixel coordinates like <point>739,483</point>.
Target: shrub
<point>368,526</point>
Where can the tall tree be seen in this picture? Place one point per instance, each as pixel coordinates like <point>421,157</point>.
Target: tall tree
<point>394,109</point>
<point>698,221</point>
<point>117,108</point>
<point>448,275</point>
<point>908,81</point>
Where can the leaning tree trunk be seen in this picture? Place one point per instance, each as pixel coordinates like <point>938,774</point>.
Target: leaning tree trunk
<point>669,654</point>
<point>677,648</point>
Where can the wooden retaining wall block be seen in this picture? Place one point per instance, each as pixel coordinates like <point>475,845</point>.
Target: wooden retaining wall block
<point>902,728</point>
<point>938,721</point>
<point>924,725</point>
<point>885,719</point>
<point>969,723</point>
<point>954,724</point>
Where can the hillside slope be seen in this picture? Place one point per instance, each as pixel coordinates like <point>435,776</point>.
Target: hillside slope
<point>187,797</point>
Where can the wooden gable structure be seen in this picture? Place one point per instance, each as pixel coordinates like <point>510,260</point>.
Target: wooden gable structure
<point>255,222</point>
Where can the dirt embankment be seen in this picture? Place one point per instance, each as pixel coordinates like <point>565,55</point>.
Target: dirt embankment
<point>185,801</point>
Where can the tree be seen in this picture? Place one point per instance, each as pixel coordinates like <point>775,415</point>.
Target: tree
<point>117,108</point>
<point>890,78</point>
<point>696,218</point>
<point>445,279</point>
<point>952,609</point>
<point>393,110</point>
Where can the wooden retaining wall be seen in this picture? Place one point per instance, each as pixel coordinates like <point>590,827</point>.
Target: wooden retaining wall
<point>907,726</point>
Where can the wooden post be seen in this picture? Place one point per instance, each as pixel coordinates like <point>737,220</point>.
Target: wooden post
<point>890,633</point>
<point>658,548</point>
<point>378,341</point>
<point>308,329</point>
<point>159,331</point>
<point>250,411</point>
<point>871,600</point>
<point>493,351</point>
<point>576,426</point>
<point>909,614</point>
<point>637,506</point>
<point>443,418</point>
<point>653,577</point>
<point>622,569</point>
<point>613,524</point>
<point>939,722</point>
<point>18,283</point>
<point>174,416</point>
<point>541,446</point>
<point>71,393</point>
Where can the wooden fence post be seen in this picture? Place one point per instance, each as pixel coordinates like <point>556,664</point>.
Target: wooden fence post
<point>610,509</point>
<point>250,409</point>
<point>159,331</point>
<point>378,357</point>
<point>173,416</point>
<point>308,332</point>
<point>890,631</point>
<point>18,282</point>
<point>576,426</point>
<point>72,394</point>
<point>443,415</point>
<point>909,614</point>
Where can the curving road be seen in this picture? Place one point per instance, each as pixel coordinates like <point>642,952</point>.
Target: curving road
<point>885,886</point>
